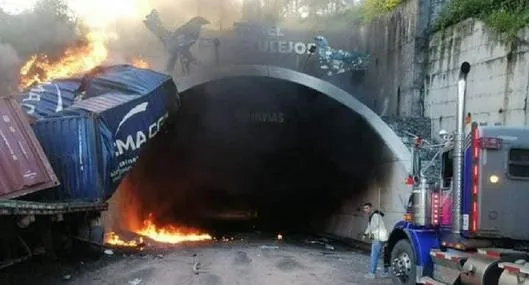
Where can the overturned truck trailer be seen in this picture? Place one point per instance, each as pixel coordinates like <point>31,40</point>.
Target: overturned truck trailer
<point>93,143</point>
<point>86,134</point>
<point>93,128</point>
<point>25,171</point>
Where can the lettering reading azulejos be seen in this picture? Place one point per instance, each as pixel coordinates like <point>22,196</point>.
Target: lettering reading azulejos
<point>283,47</point>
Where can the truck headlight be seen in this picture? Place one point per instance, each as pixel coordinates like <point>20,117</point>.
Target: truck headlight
<point>494,179</point>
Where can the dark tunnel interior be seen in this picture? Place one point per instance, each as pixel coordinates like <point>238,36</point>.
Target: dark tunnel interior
<point>255,150</point>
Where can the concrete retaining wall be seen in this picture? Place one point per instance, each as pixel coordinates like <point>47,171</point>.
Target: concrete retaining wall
<point>414,73</point>
<point>498,83</point>
<point>395,41</point>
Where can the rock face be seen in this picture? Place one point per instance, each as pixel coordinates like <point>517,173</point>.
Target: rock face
<point>397,44</point>
<point>406,128</point>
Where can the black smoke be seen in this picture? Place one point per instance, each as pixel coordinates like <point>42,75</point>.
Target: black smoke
<point>46,29</point>
<point>262,146</point>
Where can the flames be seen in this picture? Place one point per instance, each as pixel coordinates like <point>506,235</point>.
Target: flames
<point>132,213</point>
<point>170,234</point>
<point>114,239</point>
<point>167,234</point>
<point>83,57</point>
<point>140,63</point>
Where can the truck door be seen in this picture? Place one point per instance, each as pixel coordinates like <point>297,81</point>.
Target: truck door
<point>504,191</point>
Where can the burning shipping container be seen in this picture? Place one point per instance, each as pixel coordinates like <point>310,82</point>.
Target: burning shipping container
<point>94,142</point>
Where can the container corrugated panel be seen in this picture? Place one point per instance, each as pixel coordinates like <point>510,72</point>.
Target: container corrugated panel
<point>47,99</point>
<point>24,168</point>
<point>108,131</point>
<point>71,143</point>
<point>124,79</point>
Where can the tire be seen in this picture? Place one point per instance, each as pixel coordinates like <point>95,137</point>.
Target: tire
<point>403,259</point>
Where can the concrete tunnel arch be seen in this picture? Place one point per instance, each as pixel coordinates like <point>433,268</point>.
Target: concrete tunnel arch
<point>391,139</point>
<point>346,222</point>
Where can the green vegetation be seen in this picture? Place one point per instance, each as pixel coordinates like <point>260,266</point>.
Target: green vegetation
<point>506,17</point>
<point>318,11</point>
<point>365,11</point>
<point>370,9</point>
<point>359,13</point>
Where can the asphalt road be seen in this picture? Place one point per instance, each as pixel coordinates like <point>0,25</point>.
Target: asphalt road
<point>250,261</point>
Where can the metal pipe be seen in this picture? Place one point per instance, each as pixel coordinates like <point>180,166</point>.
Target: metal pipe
<point>458,149</point>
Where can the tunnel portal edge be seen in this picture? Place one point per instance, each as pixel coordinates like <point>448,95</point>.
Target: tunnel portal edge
<point>390,138</point>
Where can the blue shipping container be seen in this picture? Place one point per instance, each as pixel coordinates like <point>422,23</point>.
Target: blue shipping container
<point>47,99</point>
<point>71,145</point>
<point>93,144</point>
<point>50,98</point>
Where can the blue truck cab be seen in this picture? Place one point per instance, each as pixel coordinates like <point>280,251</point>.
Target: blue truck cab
<point>469,225</point>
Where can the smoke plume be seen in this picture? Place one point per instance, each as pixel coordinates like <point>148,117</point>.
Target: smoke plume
<point>45,29</point>
<point>53,25</point>
<point>8,66</point>
<point>134,39</point>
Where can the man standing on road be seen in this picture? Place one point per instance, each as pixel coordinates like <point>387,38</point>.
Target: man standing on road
<point>376,231</point>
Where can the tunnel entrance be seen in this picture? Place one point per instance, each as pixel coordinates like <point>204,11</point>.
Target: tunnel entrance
<point>272,152</point>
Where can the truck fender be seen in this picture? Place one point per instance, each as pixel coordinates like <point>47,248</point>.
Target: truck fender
<point>421,240</point>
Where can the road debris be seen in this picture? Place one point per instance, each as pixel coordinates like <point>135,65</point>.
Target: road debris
<point>260,261</point>
<point>196,267</point>
<point>67,277</point>
<point>242,258</point>
<point>322,241</point>
<point>269,247</point>
<point>135,281</point>
<point>109,252</point>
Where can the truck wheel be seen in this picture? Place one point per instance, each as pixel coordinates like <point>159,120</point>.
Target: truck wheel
<point>403,264</point>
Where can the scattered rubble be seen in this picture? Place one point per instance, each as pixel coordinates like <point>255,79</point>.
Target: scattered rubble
<point>268,247</point>
<point>405,128</point>
<point>321,241</point>
<point>196,266</point>
<point>329,247</point>
<point>135,281</point>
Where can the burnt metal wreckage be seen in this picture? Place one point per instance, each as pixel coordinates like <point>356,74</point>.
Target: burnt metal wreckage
<point>178,42</point>
<point>250,37</point>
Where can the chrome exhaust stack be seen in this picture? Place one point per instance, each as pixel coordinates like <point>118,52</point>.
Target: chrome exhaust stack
<point>458,150</point>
